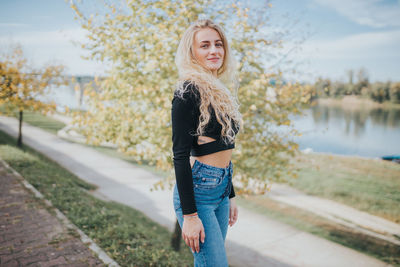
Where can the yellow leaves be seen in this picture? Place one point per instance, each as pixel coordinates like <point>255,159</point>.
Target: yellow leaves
<point>21,87</point>
<point>150,65</point>
<point>74,7</point>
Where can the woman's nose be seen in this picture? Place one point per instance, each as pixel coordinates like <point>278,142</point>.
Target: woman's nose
<point>213,49</point>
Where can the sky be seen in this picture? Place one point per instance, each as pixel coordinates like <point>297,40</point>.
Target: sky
<point>345,34</point>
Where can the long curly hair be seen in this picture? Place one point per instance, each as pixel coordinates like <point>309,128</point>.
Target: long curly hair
<point>213,90</point>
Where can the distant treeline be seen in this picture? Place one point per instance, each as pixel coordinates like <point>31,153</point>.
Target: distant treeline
<point>377,91</point>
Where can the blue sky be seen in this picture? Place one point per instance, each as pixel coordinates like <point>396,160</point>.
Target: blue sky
<point>347,34</point>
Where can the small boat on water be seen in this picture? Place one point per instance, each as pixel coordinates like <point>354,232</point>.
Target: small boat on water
<point>395,158</point>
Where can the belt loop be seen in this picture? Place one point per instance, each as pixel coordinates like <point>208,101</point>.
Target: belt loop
<point>228,188</point>
<point>195,166</point>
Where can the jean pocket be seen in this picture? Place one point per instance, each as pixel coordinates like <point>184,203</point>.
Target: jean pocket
<point>206,181</point>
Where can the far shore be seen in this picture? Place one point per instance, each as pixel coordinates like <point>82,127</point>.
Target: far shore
<point>355,102</point>
<point>306,151</point>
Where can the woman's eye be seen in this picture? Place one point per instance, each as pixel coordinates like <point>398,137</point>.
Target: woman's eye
<point>218,45</point>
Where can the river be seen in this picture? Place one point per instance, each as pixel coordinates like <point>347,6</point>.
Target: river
<point>367,132</point>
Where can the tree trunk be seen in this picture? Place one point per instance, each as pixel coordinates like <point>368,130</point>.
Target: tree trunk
<point>176,237</point>
<point>19,142</point>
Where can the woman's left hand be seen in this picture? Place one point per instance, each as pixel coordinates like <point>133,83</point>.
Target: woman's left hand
<point>233,212</point>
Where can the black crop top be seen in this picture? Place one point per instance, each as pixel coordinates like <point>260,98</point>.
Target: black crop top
<point>185,119</point>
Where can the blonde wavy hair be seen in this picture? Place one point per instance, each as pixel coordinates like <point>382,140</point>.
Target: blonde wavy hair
<point>213,90</point>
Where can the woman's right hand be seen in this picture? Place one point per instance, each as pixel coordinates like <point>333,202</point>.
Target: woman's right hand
<point>192,231</point>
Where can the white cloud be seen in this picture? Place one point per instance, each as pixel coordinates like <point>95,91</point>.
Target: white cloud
<point>45,38</point>
<point>372,13</point>
<point>10,24</point>
<point>376,51</point>
<point>364,45</point>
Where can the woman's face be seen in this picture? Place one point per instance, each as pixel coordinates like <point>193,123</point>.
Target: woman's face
<point>208,49</point>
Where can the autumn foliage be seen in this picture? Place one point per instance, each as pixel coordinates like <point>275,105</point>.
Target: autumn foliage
<point>21,85</point>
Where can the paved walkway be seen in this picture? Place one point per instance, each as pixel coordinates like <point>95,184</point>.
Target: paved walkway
<point>30,235</point>
<point>254,240</point>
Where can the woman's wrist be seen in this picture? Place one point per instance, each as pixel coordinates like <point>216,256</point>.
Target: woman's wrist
<point>190,215</point>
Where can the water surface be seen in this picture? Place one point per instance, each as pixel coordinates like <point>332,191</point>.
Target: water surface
<point>368,132</point>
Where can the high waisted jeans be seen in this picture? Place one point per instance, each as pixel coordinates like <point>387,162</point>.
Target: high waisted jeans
<point>212,187</point>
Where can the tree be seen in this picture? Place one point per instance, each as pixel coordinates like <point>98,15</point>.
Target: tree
<point>394,92</point>
<point>380,91</point>
<point>21,85</point>
<point>350,85</point>
<point>322,87</point>
<point>362,82</point>
<point>132,109</point>
<point>338,88</point>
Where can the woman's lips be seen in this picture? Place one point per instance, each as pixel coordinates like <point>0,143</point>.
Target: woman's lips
<point>214,59</point>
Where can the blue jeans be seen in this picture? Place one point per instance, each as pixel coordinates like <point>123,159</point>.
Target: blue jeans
<point>212,186</point>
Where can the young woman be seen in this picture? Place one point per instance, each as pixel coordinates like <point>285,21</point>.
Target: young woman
<point>205,121</point>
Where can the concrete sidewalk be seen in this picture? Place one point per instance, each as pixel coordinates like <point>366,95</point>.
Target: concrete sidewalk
<point>254,240</point>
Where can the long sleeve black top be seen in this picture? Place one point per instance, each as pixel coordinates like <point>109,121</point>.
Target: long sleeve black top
<point>185,118</point>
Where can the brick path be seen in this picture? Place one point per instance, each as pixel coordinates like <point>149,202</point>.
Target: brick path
<point>31,235</point>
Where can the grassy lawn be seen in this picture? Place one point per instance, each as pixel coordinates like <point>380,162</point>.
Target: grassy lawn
<point>127,235</point>
<point>369,185</point>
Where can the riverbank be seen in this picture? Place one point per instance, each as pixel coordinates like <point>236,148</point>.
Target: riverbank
<point>363,183</point>
<point>367,184</point>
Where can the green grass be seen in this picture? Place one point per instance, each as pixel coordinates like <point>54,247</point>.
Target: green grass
<point>127,235</point>
<point>366,184</point>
